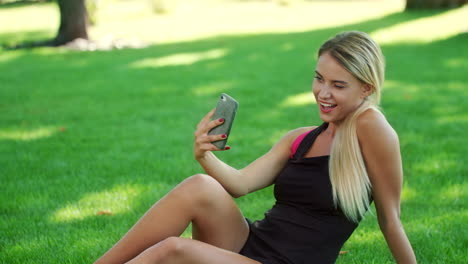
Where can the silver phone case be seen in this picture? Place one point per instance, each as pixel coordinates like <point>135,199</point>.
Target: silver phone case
<point>227,109</point>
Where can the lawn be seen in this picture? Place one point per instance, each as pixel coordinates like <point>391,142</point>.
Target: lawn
<point>83,133</point>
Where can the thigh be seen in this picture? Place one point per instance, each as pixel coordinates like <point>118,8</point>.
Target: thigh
<point>218,220</point>
<point>196,252</point>
<point>176,250</point>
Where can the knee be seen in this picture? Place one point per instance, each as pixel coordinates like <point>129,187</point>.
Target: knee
<point>172,248</point>
<point>203,188</point>
<point>202,180</point>
<point>166,251</point>
<point>202,183</point>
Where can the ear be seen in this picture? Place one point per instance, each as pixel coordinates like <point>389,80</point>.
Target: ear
<point>366,90</point>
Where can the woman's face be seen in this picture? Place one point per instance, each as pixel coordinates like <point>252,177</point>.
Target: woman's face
<point>337,92</point>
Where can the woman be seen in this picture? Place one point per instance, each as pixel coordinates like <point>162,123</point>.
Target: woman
<point>325,179</point>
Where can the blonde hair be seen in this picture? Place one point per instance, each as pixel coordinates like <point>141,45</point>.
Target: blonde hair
<point>362,57</point>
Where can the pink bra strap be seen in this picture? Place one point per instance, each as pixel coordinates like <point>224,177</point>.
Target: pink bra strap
<point>297,142</point>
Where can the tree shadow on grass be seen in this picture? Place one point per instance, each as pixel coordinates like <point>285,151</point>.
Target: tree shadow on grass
<point>126,112</point>
<point>22,3</point>
<point>12,38</point>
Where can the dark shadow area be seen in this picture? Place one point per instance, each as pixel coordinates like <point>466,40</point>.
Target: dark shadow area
<point>12,39</point>
<point>21,3</point>
<point>143,97</point>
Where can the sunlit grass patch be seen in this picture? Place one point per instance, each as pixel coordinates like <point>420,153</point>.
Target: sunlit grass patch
<point>29,134</point>
<point>201,19</point>
<point>179,59</point>
<point>456,193</point>
<point>8,56</point>
<point>301,99</point>
<point>29,18</point>
<point>409,193</point>
<point>432,28</point>
<point>114,201</point>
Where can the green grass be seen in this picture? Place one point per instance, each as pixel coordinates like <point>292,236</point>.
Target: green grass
<point>112,131</point>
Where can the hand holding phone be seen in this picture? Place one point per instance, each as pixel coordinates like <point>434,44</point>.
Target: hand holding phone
<point>227,109</point>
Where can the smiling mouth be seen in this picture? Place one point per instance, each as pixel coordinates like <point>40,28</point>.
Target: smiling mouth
<point>327,108</point>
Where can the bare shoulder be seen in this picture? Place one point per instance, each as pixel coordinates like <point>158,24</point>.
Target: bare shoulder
<point>293,134</point>
<point>290,136</point>
<point>301,130</point>
<point>374,131</point>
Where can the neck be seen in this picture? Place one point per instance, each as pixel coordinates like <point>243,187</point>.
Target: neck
<point>331,130</point>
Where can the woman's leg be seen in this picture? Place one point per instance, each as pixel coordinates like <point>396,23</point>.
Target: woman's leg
<point>176,250</point>
<point>200,199</point>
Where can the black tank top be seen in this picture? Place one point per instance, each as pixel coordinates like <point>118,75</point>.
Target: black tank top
<point>303,226</point>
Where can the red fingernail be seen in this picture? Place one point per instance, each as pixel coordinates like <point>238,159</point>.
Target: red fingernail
<point>223,136</point>
<point>227,148</point>
<point>221,120</point>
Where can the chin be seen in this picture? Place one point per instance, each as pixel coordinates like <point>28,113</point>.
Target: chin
<point>326,119</point>
<point>330,119</point>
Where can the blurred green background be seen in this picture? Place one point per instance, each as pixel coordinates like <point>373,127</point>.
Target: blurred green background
<point>89,140</point>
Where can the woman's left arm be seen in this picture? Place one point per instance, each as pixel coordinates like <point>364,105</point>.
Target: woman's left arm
<point>381,151</point>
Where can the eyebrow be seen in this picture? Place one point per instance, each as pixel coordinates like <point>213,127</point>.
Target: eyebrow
<point>334,81</point>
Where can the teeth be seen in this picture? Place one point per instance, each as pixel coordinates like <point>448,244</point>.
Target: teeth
<point>327,105</point>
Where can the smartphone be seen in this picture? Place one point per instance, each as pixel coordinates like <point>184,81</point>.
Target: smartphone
<point>227,109</point>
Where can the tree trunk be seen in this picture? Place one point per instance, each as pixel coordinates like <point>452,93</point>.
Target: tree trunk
<point>73,21</point>
<point>434,4</point>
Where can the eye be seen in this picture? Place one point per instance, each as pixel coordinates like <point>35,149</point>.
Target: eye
<point>339,84</point>
<point>318,78</point>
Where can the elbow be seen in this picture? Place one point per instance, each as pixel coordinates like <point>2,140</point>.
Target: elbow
<point>390,225</point>
<point>239,193</point>
<point>236,195</point>
<point>240,188</point>
<point>389,220</point>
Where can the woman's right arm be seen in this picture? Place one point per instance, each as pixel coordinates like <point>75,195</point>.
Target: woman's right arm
<point>257,175</point>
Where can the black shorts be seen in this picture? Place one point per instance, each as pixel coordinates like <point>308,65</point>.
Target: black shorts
<point>257,249</point>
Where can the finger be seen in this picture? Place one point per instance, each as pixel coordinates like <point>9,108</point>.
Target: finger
<point>205,120</point>
<point>208,116</point>
<point>208,139</point>
<point>214,123</point>
<point>209,147</point>
<point>211,113</point>
<point>214,138</point>
<point>218,149</point>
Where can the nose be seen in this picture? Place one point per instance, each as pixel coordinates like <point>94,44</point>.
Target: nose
<point>324,91</point>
